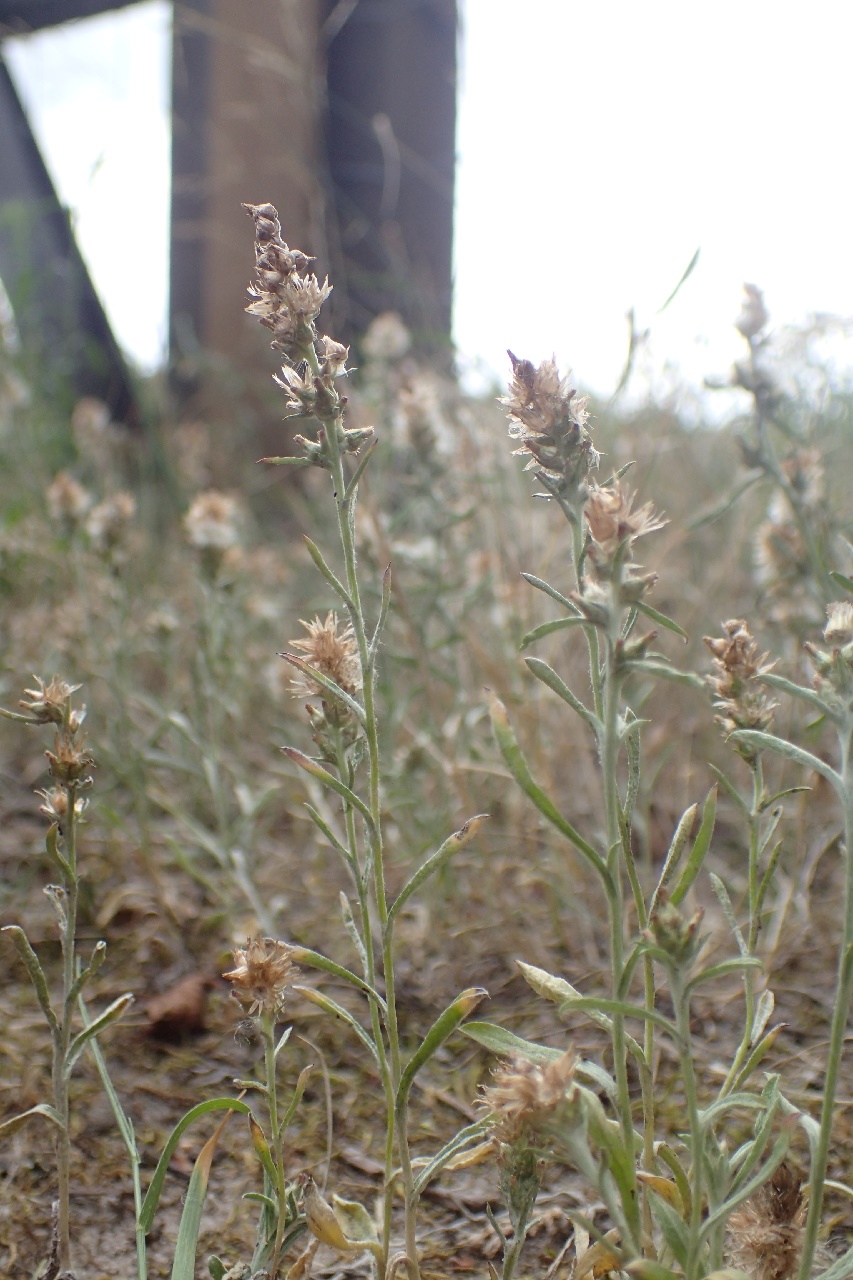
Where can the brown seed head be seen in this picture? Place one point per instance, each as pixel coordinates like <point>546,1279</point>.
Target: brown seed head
<point>611,520</point>
<point>549,419</point>
<point>526,1096</point>
<point>69,761</point>
<point>262,970</point>
<point>332,652</point>
<point>106,523</point>
<point>739,695</point>
<point>766,1233</point>
<point>213,521</point>
<point>67,500</point>
<point>49,703</point>
<point>838,631</point>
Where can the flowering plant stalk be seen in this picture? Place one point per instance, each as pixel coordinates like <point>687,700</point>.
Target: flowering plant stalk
<point>336,667</point>
<point>64,804</point>
<point>668,1208</point>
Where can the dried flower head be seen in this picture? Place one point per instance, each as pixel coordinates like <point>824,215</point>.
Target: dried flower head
<point>55,807</point>
<point>739,695</point>
<point>67,500</point>
<point>766,1232</point>
<point>611,520</point>
<point>838,631</point>
<point>69,761</point>
<point>106,523</point>
<point>386,338</point>
<point>526,1097</point>
<point>50,703</point>
<point>285,299</point>
<point>262,970</point>
<point>213,521</point>
<point>332,652</point>
<point>753,316</point>
<point>549,419</point>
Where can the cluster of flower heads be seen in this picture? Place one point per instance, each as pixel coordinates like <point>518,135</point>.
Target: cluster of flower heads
<point>740,697</point>
<point>70,762</point>
<point>286,299</point>
<point>550,420</point>
<point>72,507</point>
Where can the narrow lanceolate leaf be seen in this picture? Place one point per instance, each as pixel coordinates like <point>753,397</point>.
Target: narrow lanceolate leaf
<point>735,965</point>
<point>541,585</point>
<point>95,1027</point>
<point>328,779</point>
<point>373,647</point>
<point>550,678</point>
<point>548,628</point>
<point>661,619</point>
<point>518,767</point>
<point>51,844</point>
<point>183,1267</point>
<point>504,1042</point>
<point>676,848</point>
<point>332,579</point>
<point>769,742</point>
<point>328,1005</point>
<point>286,462</point>
<point>363,463</point>
<point>797,691</point>
<point>34,969</point>
<point>700,848</point>
<point>262,1148</point>
<point>152,1197</point>
<point>453,1154</point>
<point>441,1030</point>
<point>435,862</point>
<point>40,1109</point>
<point>304,955</point>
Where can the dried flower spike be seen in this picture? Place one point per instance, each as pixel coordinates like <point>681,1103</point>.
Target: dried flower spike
<point>739,695</point>
<point>549,419</point>
<point>262,970</point>
<point>285,299</point>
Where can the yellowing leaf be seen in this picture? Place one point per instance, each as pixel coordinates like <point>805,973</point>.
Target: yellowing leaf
<point>665,1188</point>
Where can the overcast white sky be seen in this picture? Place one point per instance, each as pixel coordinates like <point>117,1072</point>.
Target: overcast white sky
<point>600,144</point>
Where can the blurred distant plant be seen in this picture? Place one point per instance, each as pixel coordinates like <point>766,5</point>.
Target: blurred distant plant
<point>803,540</point>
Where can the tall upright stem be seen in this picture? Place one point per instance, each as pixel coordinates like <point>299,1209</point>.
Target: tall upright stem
<point>841,1009</point>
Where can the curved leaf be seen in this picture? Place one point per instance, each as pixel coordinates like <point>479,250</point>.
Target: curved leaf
<point>152,1197</point>
<point>434,863</point>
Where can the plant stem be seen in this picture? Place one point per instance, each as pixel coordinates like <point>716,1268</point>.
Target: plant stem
<point>841,1009</point>
<point>67,932</point>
